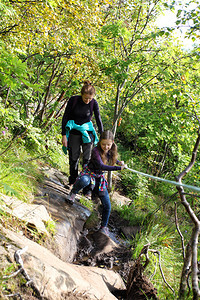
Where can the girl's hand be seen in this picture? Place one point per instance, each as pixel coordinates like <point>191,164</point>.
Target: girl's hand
<point>124,166</point>
<point>64,140</point>
<point>121,163</point>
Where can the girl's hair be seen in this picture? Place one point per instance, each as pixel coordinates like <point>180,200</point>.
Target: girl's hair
<point>88,88</point>
<point>108,135</point>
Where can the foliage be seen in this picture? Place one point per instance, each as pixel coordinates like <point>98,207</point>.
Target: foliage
<point>147,89</point>
<point>132,214</point>
<point>159,136</point>
<point>131,53</point>
<point>188,15</point>
<point>12,69</point>
<point>54,154</point>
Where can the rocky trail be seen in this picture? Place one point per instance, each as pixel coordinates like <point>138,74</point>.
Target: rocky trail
<point>79,262</point>
<point>93,247</point>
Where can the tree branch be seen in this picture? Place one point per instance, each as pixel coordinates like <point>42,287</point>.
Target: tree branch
<point>178,229</point>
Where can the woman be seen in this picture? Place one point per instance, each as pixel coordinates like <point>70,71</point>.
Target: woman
<point>77,128</point>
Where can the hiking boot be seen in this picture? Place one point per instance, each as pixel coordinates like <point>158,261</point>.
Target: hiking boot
<point>104,230</point>
<point>71,198</point>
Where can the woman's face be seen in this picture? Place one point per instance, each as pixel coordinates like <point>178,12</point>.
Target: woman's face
<point>87,98</point>
<point>106,145</point>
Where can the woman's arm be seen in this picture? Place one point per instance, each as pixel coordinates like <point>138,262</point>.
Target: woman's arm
<point>98,117</point>
<point>64,140</point>
<point>66,116</point>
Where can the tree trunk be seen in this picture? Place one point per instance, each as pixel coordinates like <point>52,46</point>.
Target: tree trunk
<point>192,247</point>
<point>185,271</point>
<point>114,129</point>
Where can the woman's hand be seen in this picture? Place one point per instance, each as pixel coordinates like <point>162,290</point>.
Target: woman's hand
<point>64,140</point>
<point>121,163</point>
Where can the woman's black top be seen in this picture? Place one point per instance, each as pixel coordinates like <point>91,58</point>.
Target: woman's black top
<point>81,113</point>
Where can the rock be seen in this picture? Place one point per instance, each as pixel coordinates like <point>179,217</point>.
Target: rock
<point>103,244</point>
<point>70,219</point>
<point>32,214</point>
<point>130,231</point>
<point>55,175</point>
<point>120,199</point>
<point>55,278</point>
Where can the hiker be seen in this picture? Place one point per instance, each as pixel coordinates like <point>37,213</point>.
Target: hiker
<point>103,158</point>
<point>77,128</point>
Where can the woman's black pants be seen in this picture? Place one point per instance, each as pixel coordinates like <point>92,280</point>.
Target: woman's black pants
<point>74,145</point>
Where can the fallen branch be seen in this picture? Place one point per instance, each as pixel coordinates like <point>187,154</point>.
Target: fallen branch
<point>15,295</point>
<point>161,271</point>
<point>136,274</point>
<point>19,261</point>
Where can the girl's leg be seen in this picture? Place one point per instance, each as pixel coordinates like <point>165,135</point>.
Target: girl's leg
<point>80,183</point>
<point>105,200</point>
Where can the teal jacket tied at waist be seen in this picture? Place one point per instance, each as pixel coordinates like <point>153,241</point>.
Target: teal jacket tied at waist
<point>83,129</point>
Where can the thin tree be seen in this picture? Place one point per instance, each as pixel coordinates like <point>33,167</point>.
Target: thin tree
<point>190,264</point>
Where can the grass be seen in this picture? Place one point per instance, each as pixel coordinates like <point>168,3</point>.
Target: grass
<point>19,174</point>
<point>87,203</point>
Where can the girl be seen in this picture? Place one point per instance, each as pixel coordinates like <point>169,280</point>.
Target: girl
<point>76,124</point>
<point>103,158</point>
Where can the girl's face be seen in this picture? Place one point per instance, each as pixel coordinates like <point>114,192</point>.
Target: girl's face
<point>87,98</point>
<point>106,145</point>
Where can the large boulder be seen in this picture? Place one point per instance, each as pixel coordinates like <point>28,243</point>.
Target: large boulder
<point>55,279</point>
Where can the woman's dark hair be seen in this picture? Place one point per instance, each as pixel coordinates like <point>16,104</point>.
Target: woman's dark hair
<point>108,135</point>
<point>88,88</point>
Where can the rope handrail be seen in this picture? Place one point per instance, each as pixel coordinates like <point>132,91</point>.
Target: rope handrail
<point>195,188</point>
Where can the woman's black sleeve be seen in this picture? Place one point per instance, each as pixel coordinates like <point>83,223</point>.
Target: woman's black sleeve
<point>66,116</point>
<point>98,117</point>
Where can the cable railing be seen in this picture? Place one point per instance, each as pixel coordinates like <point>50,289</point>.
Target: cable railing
<point>191,187</point>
